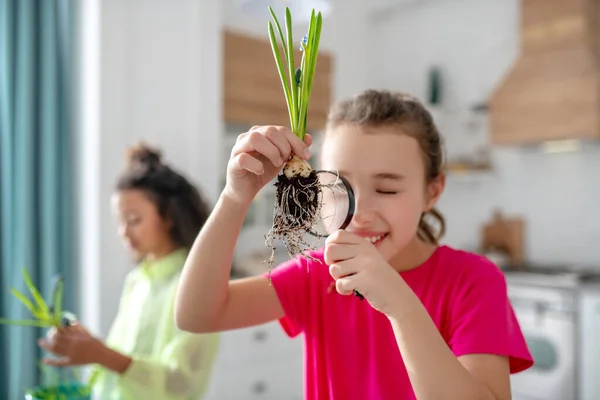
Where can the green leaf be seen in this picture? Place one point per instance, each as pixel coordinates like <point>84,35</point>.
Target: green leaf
<point>297,96</point>
<point>302,96</point>
<point>26,322</point>
<point>26,302</point>
<point>93,378</point>
<point>57,298</point>
<point>285,51</point>
<point>281,71</point>
<point>36,295</point>
<point>291,68</point>
<point>312,49</point>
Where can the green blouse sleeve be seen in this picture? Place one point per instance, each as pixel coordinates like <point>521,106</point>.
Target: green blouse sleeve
<point>182,370</point>
<point>177,365</point>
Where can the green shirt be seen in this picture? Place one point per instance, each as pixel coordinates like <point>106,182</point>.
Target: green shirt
<point>167,363</point>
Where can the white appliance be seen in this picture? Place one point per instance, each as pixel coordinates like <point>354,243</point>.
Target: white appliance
<point>589,344</point>
<point>559,312</point>
<point>547,317</point>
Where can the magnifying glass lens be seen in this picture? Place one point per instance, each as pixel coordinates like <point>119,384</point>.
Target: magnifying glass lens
<point>336,206</point>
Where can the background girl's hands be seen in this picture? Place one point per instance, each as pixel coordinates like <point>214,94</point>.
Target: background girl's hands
<point>257,158</point>
<point>356,264</point>
<point>74,343</point>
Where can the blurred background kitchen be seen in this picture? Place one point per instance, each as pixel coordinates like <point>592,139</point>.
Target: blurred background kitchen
<point>513,86</point>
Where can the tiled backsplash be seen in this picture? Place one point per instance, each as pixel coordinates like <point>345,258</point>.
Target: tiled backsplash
<point>556,193</point>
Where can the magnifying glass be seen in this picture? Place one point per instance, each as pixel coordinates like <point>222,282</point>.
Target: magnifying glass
<point>337,205</point>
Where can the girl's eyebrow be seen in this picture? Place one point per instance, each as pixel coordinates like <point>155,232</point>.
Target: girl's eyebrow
<point>390,176</point>
<point>380,175</point>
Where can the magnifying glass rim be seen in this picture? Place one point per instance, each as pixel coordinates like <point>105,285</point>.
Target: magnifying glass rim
<point>351,199</point>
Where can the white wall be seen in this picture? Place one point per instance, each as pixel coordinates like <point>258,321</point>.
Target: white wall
<point>475,42</point>
<point>150,72</point>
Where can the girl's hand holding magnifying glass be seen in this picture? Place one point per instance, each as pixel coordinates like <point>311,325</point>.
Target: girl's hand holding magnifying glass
<point>356,265</point>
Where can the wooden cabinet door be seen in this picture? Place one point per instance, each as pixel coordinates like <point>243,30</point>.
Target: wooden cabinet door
<point>253,94</point>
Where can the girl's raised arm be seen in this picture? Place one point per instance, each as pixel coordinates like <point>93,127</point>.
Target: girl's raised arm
<point>206,300</point>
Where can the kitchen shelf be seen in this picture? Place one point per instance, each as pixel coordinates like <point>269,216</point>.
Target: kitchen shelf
<point>465,136</point>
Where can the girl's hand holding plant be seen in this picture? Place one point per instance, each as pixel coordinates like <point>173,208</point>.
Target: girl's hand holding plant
<point>356,264</point>
<point>258,156</point>
<point>75,344</point>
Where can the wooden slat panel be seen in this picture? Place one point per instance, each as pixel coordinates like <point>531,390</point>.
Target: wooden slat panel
<point>253,93</point>
<point>547,110</point>
<point>536,12</point>
<point>553,90</point>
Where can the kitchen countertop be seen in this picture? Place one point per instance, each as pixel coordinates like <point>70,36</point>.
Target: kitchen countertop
<point>560,276</point>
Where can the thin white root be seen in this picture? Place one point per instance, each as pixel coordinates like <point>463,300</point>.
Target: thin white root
<point>297,209</point>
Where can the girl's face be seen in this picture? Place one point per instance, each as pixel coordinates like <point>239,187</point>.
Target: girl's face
<point>141,227</point>
<point>386,171</point>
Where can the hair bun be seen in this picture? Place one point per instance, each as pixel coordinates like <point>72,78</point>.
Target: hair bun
<point>142,154</point>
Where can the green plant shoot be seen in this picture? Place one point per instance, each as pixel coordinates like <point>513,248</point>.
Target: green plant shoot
<point>43,316</point>
<point>297,83</point>
<point>298,194</point>
<point>48,316</point>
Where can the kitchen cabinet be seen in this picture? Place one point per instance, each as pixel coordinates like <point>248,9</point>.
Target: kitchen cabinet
<point>465,137</point>
<point>259,362</point>
<point>551,92</point>
<point>252,90</point>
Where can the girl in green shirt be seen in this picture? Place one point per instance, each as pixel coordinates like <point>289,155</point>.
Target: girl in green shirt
<point>145,356</point>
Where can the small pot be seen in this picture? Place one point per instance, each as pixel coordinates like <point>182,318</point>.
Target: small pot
<point>63,391</point>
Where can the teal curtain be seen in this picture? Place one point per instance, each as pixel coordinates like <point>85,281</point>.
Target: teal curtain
<point>36,191</point>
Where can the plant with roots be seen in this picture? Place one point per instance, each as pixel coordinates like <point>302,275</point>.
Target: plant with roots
<point>298,191</point>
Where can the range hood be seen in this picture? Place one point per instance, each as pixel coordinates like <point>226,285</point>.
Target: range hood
<point>552,92</point>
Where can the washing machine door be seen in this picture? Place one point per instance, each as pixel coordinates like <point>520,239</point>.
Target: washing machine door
<point>546,317</point>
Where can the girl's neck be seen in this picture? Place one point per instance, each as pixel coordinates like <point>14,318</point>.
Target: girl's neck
<point>162,252</point>
<point>414,255</point>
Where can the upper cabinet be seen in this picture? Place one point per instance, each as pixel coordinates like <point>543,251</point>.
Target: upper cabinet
<point>253,94</point>
<point>551,93</point>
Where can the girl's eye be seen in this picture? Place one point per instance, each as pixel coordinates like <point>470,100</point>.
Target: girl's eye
<point>387,191</point>
<point>132,220</point>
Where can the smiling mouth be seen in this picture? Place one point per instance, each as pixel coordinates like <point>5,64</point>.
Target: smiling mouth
<point>375,239</point>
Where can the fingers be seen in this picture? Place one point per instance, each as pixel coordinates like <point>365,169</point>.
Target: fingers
<point>343,237</point>
<point>257,143</point>
<point>246,162</point>
<point>275,143</point>
<point>55,347</point>
<point>299,147</point>
<point>345,286</point>
<point>335,252</point>
<point>57,362</point>
<point>308,140</point>
<point>342,270</point>
<point>60,341</point>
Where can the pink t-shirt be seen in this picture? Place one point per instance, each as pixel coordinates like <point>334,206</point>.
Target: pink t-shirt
<point>350,349</point>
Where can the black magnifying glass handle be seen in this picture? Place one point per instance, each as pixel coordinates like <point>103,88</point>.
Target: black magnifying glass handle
<point>356,292</point>
<point>336,184</point>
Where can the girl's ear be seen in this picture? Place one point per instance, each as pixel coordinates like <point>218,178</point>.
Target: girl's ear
<point>434,191</point>
<point>168,221</point>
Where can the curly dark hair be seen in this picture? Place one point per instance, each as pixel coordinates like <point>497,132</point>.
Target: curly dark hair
<point>174,196</point>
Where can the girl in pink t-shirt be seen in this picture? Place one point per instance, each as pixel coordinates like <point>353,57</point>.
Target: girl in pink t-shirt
<point>435,322</point>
